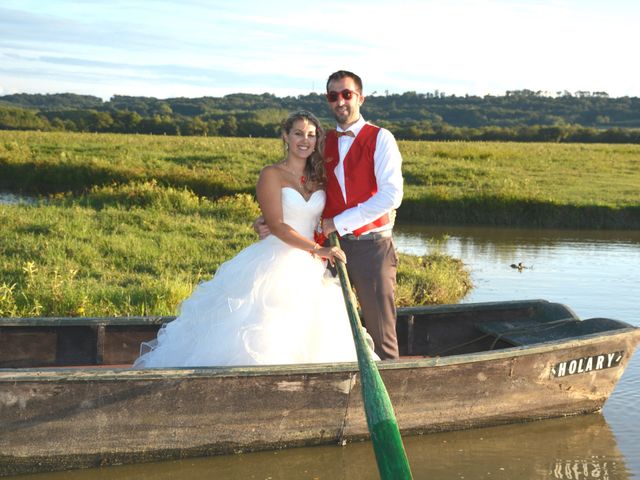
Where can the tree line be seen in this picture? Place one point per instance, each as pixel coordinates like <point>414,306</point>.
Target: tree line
<point>520,115</point>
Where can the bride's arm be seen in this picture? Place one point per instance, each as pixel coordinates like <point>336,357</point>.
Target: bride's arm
<point>269,193</point>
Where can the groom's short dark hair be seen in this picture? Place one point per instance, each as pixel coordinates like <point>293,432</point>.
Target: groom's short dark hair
<point>340,74</point>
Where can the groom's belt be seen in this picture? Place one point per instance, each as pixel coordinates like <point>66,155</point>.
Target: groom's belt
<point>367,236</point>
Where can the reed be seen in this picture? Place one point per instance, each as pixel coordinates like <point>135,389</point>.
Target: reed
<point>432,279</point>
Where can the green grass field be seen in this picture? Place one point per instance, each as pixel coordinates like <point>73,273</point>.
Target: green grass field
<point>128,224</point>
<point>508,184</point>
<point>139,249</point>
<point>522,184</point>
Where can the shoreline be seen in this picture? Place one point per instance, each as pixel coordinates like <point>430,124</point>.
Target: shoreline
<point>525,213</point>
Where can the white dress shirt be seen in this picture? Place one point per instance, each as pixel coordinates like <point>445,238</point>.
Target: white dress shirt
<point>387,166</point>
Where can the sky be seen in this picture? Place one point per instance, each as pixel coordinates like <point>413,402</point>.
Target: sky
<point>195,48</point>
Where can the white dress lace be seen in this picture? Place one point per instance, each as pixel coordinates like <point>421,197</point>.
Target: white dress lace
<point>270,304</point>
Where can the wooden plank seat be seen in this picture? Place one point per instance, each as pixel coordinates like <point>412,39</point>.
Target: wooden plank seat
<point>528,331</point>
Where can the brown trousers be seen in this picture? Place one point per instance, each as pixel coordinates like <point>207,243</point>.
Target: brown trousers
<point>372,265</point>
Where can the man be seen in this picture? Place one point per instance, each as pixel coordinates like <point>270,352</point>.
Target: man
<point>364,187</point>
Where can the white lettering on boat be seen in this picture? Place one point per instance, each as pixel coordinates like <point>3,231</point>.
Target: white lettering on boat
<point>587,364</point>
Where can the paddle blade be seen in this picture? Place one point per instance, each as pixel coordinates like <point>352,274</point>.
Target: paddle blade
<point>387,443</point>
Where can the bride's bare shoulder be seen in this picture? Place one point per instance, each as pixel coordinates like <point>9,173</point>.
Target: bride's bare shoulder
<point>271,172</point>
<point>270,179</point>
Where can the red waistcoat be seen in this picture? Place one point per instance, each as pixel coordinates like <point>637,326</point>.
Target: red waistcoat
<point>359,177</point>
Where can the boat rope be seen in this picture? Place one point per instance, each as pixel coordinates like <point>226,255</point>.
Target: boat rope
<point>341,437</point>
<point>498,336</point>
<point>541,327</point>
<point>460,345</point>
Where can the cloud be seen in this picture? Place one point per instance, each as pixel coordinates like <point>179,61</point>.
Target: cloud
<point>459,46</point>
<point>108,78</point>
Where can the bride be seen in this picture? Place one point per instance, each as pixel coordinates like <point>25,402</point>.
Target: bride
<point>272,303</point>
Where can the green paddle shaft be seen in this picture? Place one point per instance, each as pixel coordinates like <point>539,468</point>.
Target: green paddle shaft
<point>383,427</point>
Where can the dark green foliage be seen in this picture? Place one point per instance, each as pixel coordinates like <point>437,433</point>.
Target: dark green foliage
<point>520,115</point>
<point>56,101</point>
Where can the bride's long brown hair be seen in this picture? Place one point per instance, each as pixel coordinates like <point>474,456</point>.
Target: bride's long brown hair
<point>314,169</point>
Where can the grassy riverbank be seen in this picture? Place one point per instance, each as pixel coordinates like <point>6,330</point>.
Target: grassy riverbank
<point>132,223</point>
<point>508,184</point>
<point>525,185</point>
<point>141,248</point>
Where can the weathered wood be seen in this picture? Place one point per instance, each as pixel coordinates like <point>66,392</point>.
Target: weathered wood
<point>56,415</point>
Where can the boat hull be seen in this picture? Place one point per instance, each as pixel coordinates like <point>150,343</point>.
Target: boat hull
<point>59,418</point>
<point>74,418</point>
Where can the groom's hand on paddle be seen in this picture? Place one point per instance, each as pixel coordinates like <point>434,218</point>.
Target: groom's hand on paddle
<point>328,226</point>
<point>261,228</point>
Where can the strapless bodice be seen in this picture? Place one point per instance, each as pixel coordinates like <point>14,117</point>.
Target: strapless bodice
<point>302,215</point>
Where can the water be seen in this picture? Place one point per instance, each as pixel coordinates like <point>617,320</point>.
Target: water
<point>11,198</point>
<point>576,448</point>
<point>595,273</point>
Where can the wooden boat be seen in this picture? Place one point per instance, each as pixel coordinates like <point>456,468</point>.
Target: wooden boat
<point>68,398</point>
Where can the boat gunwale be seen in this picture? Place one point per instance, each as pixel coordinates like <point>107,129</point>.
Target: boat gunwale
<point>107,373</point>
<point>161,319</point>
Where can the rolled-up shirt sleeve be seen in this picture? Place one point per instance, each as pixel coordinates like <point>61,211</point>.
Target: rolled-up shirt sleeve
<point>387,162</point>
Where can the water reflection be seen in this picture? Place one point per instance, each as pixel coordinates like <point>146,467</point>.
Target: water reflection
<point>575,448</point>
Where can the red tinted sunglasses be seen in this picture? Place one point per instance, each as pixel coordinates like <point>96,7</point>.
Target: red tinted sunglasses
<point>346,94</point>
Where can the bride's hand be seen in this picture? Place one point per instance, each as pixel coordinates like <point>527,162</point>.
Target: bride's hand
<point>332,253</point>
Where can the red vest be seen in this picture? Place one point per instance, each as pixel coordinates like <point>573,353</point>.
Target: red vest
<point>359,177</point>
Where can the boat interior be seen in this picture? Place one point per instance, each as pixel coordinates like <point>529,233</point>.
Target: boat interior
<point>431,331</point>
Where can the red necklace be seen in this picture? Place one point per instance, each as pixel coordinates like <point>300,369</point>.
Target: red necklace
<point>302,180</point>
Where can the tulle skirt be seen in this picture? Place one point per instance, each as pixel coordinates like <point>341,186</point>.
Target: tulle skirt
<point>270,304</point>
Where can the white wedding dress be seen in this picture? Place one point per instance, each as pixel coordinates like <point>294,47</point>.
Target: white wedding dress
<point>270,304</point>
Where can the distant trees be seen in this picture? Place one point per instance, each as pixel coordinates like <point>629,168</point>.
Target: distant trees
<point>21,119</point>
<point>519,115</point>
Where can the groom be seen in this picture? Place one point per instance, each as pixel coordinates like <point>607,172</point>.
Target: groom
<point>364,187</point>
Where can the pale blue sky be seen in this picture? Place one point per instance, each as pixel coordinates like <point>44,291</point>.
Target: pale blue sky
<point>193,48</point>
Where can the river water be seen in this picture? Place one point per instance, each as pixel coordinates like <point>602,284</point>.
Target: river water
<point>596,273</point>
<point>10,198</point>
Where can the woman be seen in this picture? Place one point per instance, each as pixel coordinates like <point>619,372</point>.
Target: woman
<point>271,303</point>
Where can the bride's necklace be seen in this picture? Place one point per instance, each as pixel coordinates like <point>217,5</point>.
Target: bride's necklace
<point>300,178</point>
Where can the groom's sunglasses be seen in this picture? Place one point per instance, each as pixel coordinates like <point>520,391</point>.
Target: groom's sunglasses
<point>346,94</point>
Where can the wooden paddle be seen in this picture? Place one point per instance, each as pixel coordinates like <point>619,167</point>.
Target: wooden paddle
<point>383,427</point>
